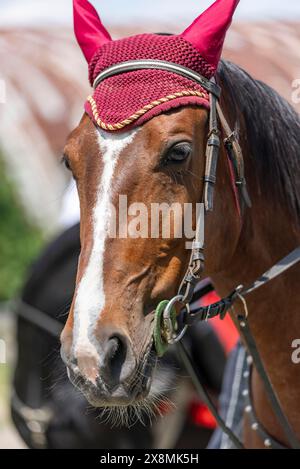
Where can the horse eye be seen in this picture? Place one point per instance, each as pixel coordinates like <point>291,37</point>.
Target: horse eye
<point>66,162</point>
<point>179,152</point>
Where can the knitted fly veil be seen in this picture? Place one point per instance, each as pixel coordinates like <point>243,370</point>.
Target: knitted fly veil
<point>130,98</point>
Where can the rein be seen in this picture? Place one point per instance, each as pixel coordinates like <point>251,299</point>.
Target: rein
<point>220,309</point>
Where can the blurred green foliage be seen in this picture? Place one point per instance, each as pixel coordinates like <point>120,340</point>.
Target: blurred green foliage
<point>20,241</point>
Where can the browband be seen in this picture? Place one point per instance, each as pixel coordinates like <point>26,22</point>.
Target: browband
<point>132,65</point>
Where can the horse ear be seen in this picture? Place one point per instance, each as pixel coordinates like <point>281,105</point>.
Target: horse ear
<point>89,31</point>
<point>207,33</point>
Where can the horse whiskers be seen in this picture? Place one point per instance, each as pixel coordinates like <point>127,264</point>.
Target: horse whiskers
<point>184,172</point>
<point>52,358</point>
<point>173,175</point>
<point>128,416</point>
<point>65,309</point>
<point>161,379</point>
<point>148,360</point>
<point>141,411</point>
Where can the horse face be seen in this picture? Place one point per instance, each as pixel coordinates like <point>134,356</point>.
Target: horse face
<point>122,275</point>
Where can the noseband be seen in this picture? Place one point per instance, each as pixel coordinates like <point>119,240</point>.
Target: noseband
<point>168,327</point>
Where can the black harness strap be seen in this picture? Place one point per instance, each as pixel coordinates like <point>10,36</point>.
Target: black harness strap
<point>220,308</point>
<point>235,155</point>
<point>191,369</point>
<point>281,266</point>
<point>212,155</point>
<point>269,441</point>
<point>270,391</point>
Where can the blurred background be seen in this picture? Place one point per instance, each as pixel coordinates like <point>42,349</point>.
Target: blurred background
<point>43,85</point>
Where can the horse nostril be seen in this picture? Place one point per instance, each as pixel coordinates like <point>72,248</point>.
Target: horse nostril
<point>115,357</point>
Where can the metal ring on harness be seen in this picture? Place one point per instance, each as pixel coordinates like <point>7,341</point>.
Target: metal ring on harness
<point>166,325</point>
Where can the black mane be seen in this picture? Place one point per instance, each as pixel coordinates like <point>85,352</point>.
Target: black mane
<point>272,130</point>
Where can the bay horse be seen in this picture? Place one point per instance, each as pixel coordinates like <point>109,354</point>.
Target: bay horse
<point>107,343</point>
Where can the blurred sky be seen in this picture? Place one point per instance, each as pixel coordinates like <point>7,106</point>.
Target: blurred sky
<point>37,12</point>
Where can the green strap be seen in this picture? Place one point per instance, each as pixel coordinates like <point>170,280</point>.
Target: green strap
<point>160,342</point>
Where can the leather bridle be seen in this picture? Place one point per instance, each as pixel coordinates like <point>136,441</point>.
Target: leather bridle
<point>233,150</point>
<point>170,328</point>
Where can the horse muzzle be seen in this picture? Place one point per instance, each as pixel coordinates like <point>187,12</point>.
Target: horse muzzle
<point>109,374</point>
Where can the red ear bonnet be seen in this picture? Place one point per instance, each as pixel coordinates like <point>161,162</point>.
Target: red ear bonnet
<point>207,33</point>
<point>130,99</point>
<point>89,31</point>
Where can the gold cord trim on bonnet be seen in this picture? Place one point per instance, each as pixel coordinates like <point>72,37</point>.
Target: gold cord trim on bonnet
<point>141,112</point>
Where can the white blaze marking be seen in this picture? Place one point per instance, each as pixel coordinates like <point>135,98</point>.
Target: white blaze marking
<point>90,296</point>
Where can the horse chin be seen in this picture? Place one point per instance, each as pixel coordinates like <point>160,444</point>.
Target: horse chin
<point>144,404</point>
<point>119,397</point>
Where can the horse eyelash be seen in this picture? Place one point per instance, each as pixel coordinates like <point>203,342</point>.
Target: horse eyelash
<point>64,160</point>
<point>164,160</point>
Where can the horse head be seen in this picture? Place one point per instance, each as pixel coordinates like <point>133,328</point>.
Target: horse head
<point>138,158</point>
